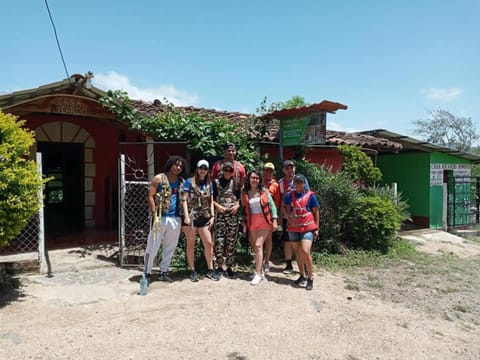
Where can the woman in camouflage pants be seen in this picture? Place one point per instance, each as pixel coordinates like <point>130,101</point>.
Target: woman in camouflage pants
<point>226,196</point>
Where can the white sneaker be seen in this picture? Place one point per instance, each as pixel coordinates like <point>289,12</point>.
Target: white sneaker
<point>266,268</point>
<point>256,280</point>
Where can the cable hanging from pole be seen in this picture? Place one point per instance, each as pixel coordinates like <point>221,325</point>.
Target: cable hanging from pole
<point>56,37</point>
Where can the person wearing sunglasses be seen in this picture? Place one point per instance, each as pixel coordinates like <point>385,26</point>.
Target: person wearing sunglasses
<point>198,212</point>
<point>226,198</point>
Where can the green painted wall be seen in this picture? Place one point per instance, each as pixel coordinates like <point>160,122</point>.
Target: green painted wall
<point>411,171</point>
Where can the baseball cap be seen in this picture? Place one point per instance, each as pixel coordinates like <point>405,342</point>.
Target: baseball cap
<point>203,163</point>
<point>288,163</point>
<point>269,165</point>
<point>227,164</point>
<point>300,177</point>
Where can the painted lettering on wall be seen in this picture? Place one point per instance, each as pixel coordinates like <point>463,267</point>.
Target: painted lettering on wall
<point>68,106</point>
<point>436,172</point>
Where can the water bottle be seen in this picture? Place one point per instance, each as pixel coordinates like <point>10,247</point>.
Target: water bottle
<point>143,285</point>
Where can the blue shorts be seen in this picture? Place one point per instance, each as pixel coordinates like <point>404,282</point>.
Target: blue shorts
<point>297,236</point>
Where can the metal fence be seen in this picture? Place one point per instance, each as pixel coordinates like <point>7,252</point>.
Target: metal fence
<point>31,238</point>
<point>463,207</point>
<point>27,240</point>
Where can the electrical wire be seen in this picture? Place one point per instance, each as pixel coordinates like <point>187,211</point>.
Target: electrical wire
<point>58,42</point>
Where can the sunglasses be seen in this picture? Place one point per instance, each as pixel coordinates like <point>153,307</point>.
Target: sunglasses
<point>228,170</point>
<point>203,168</point>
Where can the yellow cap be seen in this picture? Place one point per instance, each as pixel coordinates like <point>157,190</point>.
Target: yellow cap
<point>269,165</point>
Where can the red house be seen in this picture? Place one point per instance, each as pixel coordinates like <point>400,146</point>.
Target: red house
<point>80,142</point>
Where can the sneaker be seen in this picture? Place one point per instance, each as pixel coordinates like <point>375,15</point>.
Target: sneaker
<point>194,276</point>
<point>230,273</point>
<point>256,280</point>
<point>288,269</point>
<point>300,281</point>
<point>163,276</point>
<point>309,284</point>
<point>266,268</point>
<point>212,275</point>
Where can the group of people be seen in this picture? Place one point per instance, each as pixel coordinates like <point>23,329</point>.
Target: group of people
<point>210,204</point>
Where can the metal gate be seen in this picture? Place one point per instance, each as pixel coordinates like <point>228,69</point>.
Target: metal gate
<point>463,201</point>
<point>138,162</point>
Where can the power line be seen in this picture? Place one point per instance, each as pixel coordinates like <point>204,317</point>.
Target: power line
<point>58,42</point>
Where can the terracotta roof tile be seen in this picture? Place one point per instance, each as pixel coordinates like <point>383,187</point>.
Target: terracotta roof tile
<point>272,126</point>
<point>155,107</point>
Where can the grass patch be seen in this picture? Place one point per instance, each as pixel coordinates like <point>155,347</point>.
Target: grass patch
<point>351,285</point>
<point>399,250</point>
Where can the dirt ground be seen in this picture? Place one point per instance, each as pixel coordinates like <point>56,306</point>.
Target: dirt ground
<point>425,309</point>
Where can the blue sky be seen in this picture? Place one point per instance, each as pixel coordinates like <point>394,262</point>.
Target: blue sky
<point>388,61</point>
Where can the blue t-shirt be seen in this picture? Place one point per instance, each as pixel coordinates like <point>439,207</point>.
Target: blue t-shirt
<point>187,185</point>
<point>173,209</point>
<point>312,202</point>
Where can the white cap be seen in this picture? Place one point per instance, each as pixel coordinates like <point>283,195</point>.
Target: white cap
<point>202,163</point>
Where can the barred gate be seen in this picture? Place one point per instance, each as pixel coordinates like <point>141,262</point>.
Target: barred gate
<point>138,162</point>
<point>463,201</point>
<point>135,218</point>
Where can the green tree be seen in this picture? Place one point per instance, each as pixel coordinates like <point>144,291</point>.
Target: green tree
<point>445,129</point>
<point>19,180</point>
<point>294,101</point>
<point>476,167</point>
<point>204,134</point>
<point>358,166</point>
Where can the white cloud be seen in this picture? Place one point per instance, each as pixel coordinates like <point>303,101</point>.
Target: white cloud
<point>115,81</point>
<point>447,94</point>
<point>334,126</point>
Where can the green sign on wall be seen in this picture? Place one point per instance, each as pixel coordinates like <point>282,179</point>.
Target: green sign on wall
<point>293,130</point>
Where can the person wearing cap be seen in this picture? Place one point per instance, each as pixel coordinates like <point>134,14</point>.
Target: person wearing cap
<point>285,185</point>
<point>226,199</point>
<point>239,173</point>
<point>302,210</point>
<point>271,184</point>
<point>198,212</point>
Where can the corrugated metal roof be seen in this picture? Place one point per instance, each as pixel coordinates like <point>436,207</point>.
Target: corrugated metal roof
<point>410,143</point>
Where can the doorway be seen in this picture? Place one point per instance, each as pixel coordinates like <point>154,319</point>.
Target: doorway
<point>63,195</point>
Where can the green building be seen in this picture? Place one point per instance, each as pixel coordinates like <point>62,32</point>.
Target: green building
<point>421,171</point>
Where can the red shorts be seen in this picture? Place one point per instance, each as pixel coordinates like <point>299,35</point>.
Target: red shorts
<point>258,222</point>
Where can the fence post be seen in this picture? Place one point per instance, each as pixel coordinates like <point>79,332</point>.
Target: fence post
<point>41,222</point>
<point>445,206</point>
<point>121,211</point>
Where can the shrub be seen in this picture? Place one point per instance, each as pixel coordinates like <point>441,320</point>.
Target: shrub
<point>19,180</point>
<point>372,223</point>
<point>336,195</point>
<point>358,166</point>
